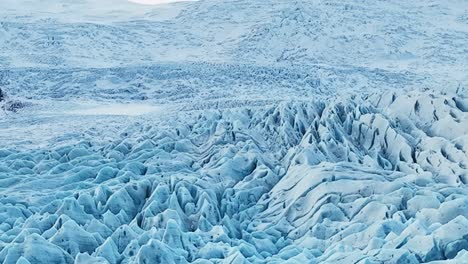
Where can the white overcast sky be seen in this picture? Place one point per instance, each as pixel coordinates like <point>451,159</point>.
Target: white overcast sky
<point>155,2</point>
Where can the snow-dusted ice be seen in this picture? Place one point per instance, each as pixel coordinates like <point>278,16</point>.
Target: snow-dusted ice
<point>234,131</point>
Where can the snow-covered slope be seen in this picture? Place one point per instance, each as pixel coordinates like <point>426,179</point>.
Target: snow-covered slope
<point>426,36</point>
<point>234,132</point>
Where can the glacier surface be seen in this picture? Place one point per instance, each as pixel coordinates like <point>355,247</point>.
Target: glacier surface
<point>234,132</point>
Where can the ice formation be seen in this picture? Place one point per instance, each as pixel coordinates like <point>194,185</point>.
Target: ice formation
<point>300,137</point>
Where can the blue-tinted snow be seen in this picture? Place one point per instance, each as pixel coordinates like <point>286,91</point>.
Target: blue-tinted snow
<point>234,132</point>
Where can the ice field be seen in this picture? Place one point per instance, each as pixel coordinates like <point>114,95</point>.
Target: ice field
<point>234,131</point>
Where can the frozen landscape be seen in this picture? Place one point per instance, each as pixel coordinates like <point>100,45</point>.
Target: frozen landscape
<point>234,131</point>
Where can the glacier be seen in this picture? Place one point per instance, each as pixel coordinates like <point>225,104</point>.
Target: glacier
<point>234,131</point>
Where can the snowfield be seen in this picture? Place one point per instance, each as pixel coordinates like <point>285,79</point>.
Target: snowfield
<point>236,132</point>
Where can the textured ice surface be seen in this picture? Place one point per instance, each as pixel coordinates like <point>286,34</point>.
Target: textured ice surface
<point>234,132</point>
